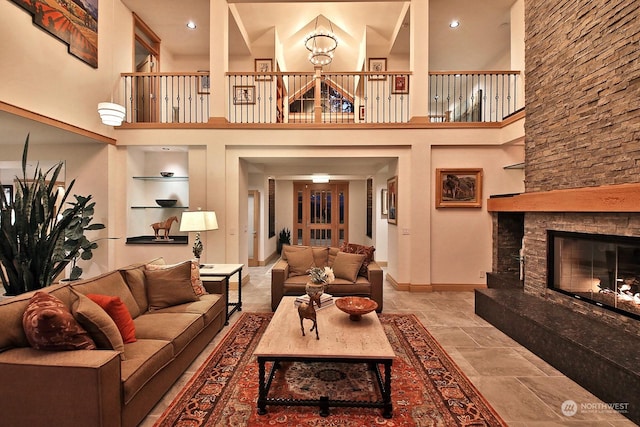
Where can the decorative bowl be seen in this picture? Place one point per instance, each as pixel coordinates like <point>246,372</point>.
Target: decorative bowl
<point>355,307</point>
<point>166,203</point>
<point>166,174</point>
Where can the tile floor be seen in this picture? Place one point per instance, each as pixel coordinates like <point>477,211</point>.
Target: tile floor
<point>524,389</point>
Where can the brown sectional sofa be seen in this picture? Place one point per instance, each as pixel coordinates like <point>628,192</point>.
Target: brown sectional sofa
<point>284,282</point>
<point>95,387</point>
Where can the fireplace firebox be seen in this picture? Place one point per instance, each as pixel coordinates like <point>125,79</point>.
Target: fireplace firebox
<point>599,269</point>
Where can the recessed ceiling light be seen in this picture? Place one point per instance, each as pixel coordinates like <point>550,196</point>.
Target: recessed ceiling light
<point>191,25</point>
<point>454,24</point>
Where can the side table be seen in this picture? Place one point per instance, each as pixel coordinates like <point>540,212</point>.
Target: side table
<point>226,271</point>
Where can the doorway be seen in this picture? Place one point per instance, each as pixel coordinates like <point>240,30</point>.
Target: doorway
<point>321,214</point>
<point>146,59</point>
<point>254,227</point>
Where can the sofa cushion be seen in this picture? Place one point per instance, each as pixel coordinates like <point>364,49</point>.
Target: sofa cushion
<point>209,306</point>
<point>300,261</point>
<point>137,284</point>
<point>113,284</point>
<point>354,248</point>
<point>98,323</point>
<point>196,281</point>
<point>178,328</point>
<point>346,266</point>
<point>116,309</point>
<point>320,254</point>
<point>332,256</point>
<point>49,325</point>
<point>169,286</point>
<point>143,360</point>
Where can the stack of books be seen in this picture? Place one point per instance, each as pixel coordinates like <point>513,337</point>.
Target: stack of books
<point>325,300</point>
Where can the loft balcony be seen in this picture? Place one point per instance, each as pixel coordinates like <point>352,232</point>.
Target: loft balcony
<point>454,98</point>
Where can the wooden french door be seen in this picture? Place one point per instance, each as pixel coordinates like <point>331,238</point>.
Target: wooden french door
<point>320,214</point>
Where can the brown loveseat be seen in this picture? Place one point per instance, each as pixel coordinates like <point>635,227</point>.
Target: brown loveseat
<point>357,274</point>
<point>104,387</point>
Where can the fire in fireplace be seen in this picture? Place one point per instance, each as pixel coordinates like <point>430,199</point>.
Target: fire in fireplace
<point>600,269</point>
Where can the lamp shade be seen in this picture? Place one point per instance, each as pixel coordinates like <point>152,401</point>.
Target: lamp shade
<point>111,114</point>
<point>198,221</point>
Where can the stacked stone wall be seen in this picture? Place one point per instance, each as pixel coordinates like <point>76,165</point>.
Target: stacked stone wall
<point>583,93</point>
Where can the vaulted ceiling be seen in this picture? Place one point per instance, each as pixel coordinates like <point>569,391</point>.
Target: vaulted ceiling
<point>384,26</point>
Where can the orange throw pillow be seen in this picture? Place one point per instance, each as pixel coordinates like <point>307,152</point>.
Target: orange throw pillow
<point>119,313</point>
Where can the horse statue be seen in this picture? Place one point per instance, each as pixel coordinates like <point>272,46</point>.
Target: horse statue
<point>306,311</point>
<point>163,225</point>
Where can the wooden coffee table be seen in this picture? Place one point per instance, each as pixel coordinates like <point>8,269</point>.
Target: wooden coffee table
<point>341,340</point>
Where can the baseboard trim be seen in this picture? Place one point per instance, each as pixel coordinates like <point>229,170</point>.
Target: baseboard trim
<point>433,287</point>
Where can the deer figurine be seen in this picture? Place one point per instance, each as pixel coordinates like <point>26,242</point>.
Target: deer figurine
<point>307,311</point>
<point>163,225</point>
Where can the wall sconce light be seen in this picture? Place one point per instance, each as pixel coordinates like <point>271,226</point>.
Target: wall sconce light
<point>111,114</point>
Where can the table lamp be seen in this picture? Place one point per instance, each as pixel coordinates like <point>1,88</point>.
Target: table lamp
<point>198,221</point>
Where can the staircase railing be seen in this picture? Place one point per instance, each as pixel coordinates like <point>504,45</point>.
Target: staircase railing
<point>473,96</point>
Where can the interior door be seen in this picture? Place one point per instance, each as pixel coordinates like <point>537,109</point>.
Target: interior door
<point>320,214</point>
<point>254,226</point>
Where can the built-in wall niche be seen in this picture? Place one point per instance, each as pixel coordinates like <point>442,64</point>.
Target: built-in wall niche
<point>157,176</point>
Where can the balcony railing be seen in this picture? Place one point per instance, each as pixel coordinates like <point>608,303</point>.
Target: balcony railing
<point>473,96</point>
<point>326,98</point>
<point>318,98</point>
<point>166,97</point>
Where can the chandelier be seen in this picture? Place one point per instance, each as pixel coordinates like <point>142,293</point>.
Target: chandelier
<point>321,45</point>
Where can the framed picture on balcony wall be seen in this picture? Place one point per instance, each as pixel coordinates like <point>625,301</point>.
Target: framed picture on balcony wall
<point>8,194</point>
<point>377,65</point>
<point>400,84</point>
<point>243,95</point>
<point>204,83</point>
<point>264,65</point>
<point>361,114</point>
<point>392,203</point>
<point>459,188</point>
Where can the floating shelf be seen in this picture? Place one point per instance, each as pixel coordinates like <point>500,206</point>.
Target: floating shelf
<point>515,166</point>
<point>151,240</point>
<point>162,178</point>
<point>159,207</point>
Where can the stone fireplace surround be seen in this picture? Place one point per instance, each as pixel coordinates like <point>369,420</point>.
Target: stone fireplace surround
<point>594,346</point>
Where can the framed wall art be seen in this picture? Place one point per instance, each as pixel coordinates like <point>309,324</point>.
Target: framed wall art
<point>459,188</point>
<point>392,203</point>
<point>8,194</point>
<point>204,86</point>
<point>377,65</point>
<point>75,24</point>
<point>400,84</point>
<point>264,65</point>
<point>243,95</point>
<point>361,114</point>
<point>384,201</point>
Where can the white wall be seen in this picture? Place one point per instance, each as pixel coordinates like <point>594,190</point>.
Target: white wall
<point>38,73</point>
<point>461,238</point>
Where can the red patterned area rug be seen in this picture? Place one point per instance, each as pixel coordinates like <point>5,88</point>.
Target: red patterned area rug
<point>427,387</point>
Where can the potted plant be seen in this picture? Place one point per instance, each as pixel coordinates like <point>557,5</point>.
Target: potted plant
<point>284,238</point>
<point>39,236</point>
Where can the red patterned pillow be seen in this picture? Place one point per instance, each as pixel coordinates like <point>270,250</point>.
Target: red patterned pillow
<point>367,251</point>
<point>49,325</point>
<point>116,309</point>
